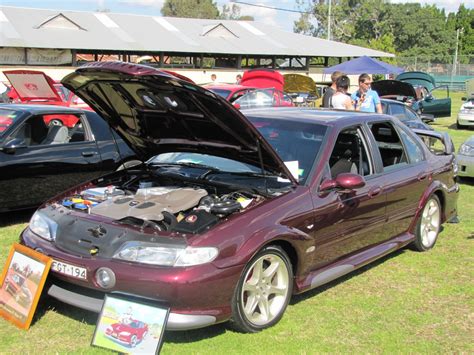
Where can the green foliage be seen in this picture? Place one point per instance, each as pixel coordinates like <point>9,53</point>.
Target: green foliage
<point>190,9</point>
<point>405,29</point>
<point>232,12</point>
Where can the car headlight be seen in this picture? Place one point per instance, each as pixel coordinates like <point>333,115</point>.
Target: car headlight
<point>151,253</point>
<point>465,149</point>
<point>43,226</point>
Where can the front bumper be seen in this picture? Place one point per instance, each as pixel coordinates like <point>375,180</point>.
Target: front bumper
<point>198,296</point>
<point>466,119</point>
<point>465,165</point>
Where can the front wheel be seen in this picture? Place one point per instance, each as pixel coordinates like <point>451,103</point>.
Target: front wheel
<point>459,126</point>
<point>428,225</point>
<point>263,291</point>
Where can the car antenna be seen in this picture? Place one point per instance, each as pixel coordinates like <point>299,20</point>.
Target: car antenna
<point>260,157</point>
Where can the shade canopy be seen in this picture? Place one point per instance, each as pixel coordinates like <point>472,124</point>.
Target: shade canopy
<point>364,65</point>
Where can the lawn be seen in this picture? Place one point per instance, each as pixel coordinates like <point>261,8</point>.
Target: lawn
<point>407,302</point>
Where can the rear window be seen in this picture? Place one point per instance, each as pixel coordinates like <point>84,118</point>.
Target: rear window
<point>221,92</point>
<point>297,143</point>
<point>7,118</point>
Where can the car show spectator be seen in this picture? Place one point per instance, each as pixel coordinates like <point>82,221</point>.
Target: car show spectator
<point>340,99</point>
<point>332,89</point>
<point>365,99</point>
<point>238,78</point>
<point>213,78</point>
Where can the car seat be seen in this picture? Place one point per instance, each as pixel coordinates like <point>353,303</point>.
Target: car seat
<point>56,135</point>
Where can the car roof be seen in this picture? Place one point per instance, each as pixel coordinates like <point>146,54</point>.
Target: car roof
<point>38,109</point>
<point>329,117</point>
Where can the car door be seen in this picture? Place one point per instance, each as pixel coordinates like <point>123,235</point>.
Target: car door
<point>405,171</point>
<point>437,102</point>
<point>48,161</point>
<point>346,222</point>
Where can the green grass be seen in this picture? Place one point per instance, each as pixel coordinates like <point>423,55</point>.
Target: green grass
<point>407,302</point>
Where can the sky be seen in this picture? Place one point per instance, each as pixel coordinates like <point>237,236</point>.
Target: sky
<point>267,15</point>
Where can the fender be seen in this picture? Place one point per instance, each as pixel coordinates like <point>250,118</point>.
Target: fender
<point>268,236</point>
<point>434,187</point>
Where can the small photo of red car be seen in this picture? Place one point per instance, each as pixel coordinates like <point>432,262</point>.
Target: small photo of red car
<point>130,333</point>
<point>16,285</point>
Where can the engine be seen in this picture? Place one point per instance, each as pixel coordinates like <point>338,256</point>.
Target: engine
<point>170,208</point>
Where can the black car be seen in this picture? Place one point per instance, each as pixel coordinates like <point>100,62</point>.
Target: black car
<point>39,159</point>
<point>406,114</point>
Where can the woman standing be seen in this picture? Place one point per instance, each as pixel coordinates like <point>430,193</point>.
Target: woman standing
<point>340,99</point>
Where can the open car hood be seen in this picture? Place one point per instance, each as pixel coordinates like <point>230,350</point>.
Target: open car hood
<point>393,87</point>
<point>32,85</point>
<point>299,83</point>
<point>157,112</point>
<point>417,78</point>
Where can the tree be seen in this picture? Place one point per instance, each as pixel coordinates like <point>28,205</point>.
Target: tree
<point>190,9</point>
<point>233,13</point>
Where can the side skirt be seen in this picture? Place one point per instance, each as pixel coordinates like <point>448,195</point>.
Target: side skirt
<point>342,267</point>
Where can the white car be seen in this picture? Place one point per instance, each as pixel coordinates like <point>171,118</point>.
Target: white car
<point>465,158</point>
<point>466,114</point>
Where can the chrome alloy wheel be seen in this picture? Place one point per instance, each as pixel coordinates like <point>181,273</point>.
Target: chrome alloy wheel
<point>430,223</point>
<point>265,290</point>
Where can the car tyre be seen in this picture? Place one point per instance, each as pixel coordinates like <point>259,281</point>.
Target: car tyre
<point>428,226</point>
<point>263,291</point>
<point>459,126</point>
<point>133,341</point>
<point>55,122</point>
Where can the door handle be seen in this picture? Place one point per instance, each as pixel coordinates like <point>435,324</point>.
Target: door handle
<point>88,154</point>
<point>375,191</point>
<point>422,176</point>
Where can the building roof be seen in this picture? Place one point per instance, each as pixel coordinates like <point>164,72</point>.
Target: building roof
<point>101,31</point>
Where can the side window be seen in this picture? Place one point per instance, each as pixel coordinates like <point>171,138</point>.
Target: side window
<point>350,154</point>
<point>390,147</point>
<point>414,151</point>
<point>50,129</point>
<point>397,111</point>
<point>411,115</point>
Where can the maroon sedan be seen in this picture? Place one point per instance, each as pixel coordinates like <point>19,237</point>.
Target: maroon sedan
<point>234,212</point>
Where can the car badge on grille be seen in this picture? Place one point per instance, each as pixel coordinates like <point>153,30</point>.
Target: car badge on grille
<point>97,232</point>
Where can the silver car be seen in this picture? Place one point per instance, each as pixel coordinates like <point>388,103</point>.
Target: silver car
<point>466,114</point>
<point>465,158</point>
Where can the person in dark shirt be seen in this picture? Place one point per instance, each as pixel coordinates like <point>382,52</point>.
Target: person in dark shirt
<point>331,90</point>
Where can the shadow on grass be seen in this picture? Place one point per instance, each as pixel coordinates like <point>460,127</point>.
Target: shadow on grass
<point>47,303</point>
<point>11,218</point>
<point>312,293</point>
<point>466,181</point>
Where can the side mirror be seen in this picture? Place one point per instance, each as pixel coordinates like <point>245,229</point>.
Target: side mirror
<point>427,118</point>
<point>11,146</point>
<point>344,182</point>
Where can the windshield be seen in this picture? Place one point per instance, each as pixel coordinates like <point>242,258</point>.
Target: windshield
<point>7,118</point>
<point>221,92</point>
<point>211,161</point>
<point>297,143</point>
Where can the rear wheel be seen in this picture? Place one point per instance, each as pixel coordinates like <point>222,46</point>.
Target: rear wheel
<point>428,226</point>
<point>263,291</point>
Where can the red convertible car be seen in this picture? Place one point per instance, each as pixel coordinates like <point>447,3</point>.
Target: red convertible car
<point>130,333</point>
<point>35,87</point>
<point>234,212</point>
